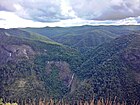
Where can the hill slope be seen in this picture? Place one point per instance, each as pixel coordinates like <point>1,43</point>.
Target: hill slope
<point>54,31</point>
<point>33,69</point>
<point>25,34</point>
<point>84,37</point>
<point>85,40</point>
<point>112,70</point>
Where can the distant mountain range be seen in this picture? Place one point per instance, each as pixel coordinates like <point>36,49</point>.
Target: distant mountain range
<point>71,63</point>
<point>84,36</point>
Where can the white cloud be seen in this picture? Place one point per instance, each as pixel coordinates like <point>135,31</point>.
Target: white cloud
<point>10,20</point>
<point>127,21</point>
<point>121,9</point>
<point>68,12</point>
<point>89,9</point>
<point>66,9</point>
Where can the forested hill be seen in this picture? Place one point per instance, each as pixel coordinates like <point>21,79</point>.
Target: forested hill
<point>54,31</point>
<point>34,68</point>
<point>88,61</point>
<point>112,69</point>
<point>84,37</point>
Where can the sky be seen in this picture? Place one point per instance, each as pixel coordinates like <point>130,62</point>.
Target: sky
<point>65,13</point>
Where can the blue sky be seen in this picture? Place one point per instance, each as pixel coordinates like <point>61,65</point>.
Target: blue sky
<point>40,13</point>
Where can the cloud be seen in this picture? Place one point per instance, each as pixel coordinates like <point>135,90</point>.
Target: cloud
<point>89,9</point>
<point>2,19</point>
<point>14,21</point>
<point>138,19</point>
<point>56,10</point>
<point>62,12</point>
<point>106,9</point>
<point>7,5</point>
<point>121,9</point>
<point>127,21</point>
<point>40,10</point>
<point>37,10</point>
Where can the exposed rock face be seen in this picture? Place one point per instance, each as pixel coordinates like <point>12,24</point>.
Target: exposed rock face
<point>12,52</point>
<point>63,67</point>
<point>21,83</point>
<point>20,50</point>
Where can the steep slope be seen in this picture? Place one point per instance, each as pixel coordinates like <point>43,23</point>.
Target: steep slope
<point>112,70</point>
<point>34,69</point>
<point>25,34</point>
<point>41,68</point>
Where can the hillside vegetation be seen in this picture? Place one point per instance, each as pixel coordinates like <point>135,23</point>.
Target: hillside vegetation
<point>24,68</point>
<point>27,35</point>
<point>84,37</point>
<point>74,63</point>
<point>112,70</point>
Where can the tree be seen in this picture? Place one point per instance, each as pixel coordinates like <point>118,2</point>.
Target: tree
<point>1,101</point>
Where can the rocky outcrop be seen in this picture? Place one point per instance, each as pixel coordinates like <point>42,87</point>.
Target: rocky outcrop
<point>13,52</point>
<point>64,71</point>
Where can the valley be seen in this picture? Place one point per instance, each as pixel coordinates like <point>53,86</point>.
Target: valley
<point>70,63</point>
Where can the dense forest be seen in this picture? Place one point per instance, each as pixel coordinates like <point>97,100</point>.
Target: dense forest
<point>71,64</point>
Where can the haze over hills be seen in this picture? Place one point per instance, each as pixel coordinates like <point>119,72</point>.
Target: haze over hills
<point>71,63</point>
<point>82,37</point>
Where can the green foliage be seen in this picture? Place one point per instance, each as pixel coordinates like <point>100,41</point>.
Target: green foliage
<point>103,70</point>
<point>27,35</point>
<point>1,101</point>
<point>83,37</point>
<point>26,78</point>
